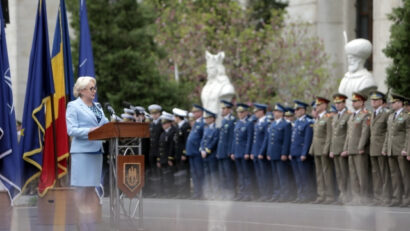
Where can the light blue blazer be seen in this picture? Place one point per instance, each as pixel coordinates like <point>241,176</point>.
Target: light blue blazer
<point>80,119</point>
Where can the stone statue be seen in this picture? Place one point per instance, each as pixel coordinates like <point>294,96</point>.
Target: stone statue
<point>357,78</point>
<point>218,86</point>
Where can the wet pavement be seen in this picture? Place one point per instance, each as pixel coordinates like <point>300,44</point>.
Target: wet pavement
<point>192,215</point>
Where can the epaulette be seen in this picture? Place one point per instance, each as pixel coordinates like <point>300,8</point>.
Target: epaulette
<point>328,115</point>
<point>348,112</point>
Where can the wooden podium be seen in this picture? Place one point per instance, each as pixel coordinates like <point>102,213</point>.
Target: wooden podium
<point>124,137</point>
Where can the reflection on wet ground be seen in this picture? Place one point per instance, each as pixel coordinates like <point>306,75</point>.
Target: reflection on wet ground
<point>180,215</point>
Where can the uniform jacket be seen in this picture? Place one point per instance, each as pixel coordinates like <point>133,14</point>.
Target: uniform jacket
<point>209,140</point>
<point>226,137</point>
<point>180,138</point>
<point>167,146</point>
<point>155,130</point>
<point>398,134</point>
<point>277,139</point>
<point>194,139</point>
<point>339,131</point>
<point>302,133</point>
<point>322,135</point>
<point>378,130</point>
<point>358,133</point>
<point>259,133</point>
<point>243,135</point>
<point>80,119</point>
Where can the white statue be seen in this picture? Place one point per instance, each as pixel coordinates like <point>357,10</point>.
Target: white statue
<point>217,86</point>
<point>357,78</point>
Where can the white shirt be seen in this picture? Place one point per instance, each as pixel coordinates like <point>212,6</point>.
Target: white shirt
<point>397,112</point>
<point>260,120</point>
<point>155,121</point>
<point>322,114</point>
<point>378,110</point>
<point>181,123</point>
<point>278,120</point>
<point>341,112</point>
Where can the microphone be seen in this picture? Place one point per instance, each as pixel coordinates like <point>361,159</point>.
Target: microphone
<point>109,108</point>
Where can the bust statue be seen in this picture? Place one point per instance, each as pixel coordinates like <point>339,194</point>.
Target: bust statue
<point>218,86</point>
<point>357,78</point>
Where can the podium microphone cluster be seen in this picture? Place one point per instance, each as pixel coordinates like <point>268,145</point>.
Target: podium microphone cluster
<point>111,110</point>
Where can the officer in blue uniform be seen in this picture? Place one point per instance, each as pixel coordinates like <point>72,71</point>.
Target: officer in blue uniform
<point>208,148</point>
<point>193,153</point>
<point>277,146</point>
<point>225,163</point>
<point>241,149</point>
<point>302,162</point>
<point>261,164</point>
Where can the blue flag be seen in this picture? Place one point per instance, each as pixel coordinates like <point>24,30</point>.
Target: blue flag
<point>68,63</point>
<point>10,160</point>
<point>39,87</point>
<point>86,60</point>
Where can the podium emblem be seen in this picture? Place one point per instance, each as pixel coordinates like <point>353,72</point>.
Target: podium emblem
<point>130,172</point>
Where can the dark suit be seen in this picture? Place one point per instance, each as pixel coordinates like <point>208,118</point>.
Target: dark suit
<point>209,143</point>
<point>182,176</point>
<point>154,176</point>
<point>167,153</point>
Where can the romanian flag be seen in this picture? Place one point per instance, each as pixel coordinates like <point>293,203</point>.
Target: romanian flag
<point>40,87</point>
<point>56,139</point>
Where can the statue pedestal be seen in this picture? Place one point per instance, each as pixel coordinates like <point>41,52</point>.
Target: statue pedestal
<point>6,211</point>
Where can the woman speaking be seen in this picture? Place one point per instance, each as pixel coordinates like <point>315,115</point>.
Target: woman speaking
<point>83,116</point>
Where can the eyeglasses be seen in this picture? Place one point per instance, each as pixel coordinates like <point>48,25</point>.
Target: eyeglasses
<point>93,88</point>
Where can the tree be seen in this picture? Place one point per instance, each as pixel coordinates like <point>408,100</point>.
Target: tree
<point>267,64</point>
<point>125,54</point>
<point>398,49</point>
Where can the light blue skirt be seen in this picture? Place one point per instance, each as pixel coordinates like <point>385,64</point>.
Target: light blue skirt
<point>86,169</point>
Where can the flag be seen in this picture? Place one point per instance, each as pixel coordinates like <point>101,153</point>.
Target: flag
<point>85,60</point>
<point>68,63</point>
<point>56,138</point>
<point>39,89</point>
<point>10,160</point>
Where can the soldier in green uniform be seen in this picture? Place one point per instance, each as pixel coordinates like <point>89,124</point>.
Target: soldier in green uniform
<point>339,131</point>
<point>378,162</point>
<point>322,130</point>
<point>396,141</point>
<point>357,147</point>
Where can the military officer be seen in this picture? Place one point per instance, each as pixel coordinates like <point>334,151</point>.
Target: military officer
<point>339,131</point>
<point>302,162</point>
<point>277,146</point>
<point>194,155</point>
<point>166,159</point>
<point>379,163</point>
<point>181,176</point>
<point>241,147</point>
<point>357,147</point>
<point>208,148</point>
<point>261,164</point>
<point>155,132</point>
<point>290,115</point>
<point>225,164</point>
<point>322,134</point>
<point>396,141</point>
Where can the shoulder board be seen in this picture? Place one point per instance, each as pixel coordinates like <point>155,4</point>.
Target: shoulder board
<point>328,115</point>
<point>311,125</point>
<point>364,111</point>
<point>348,112</point>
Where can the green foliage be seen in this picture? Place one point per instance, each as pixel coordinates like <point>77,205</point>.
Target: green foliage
<point>125,54</point>
<point>398,49</point>
<point>267,64</point>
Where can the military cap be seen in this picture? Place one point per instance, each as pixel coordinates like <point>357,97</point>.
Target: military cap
<point>226,103</point>
<point>361,48</point>
<point>300,104</point>
<point>396,97</point>
<point>154,108</point>
<point>166,117</point>
<point>241,107</point>
<point>208,114</point>
<point>377,95</point>
<point>179,112</point>
<point>289,111</point>
<point>339,98</point>
<point>320,100</point>
<point>259,106</point>
<point>197,107</point>
<point>279,107</point>
<point>358,97</point>
<point>140,109</point>
<point>333,108</point>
